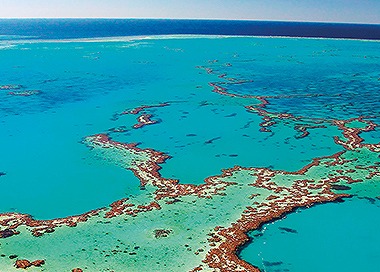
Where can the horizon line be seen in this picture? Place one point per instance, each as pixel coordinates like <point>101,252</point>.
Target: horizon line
<point>194,19</point>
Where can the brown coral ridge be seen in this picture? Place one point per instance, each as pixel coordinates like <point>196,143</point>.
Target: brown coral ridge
<point>303,130</point>
<point>269,119</point>
<point>148,171</point>
<point>38,227</point>
<point>353,140</point>
<point>144,118</point>
<point>225,242</point>
<point>223,91</point>
<point>120,207</point>
<point>24,264</point>
<point>142,108</point>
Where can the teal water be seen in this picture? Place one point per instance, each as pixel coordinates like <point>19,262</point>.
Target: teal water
<point>330,237</point>
<point>92,81</point>
<point>85,86</point>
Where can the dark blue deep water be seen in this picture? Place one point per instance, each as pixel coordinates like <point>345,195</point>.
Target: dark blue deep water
<point>89,28</point>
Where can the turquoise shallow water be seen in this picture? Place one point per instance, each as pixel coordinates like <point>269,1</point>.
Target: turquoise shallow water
<point>330,237</point>
<point>85,86</point>
<point>92,81</point>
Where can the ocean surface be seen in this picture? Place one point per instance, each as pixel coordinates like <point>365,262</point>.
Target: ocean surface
<point>90,28</point>
<point>58,90</point>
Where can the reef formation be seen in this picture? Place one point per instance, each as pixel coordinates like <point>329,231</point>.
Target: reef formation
<point>278,192</point>
<point>272,193</point>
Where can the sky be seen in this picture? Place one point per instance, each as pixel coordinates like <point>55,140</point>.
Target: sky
<point>351,11</point>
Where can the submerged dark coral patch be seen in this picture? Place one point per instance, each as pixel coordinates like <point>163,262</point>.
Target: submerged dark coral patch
<point>8,233</point>
<point>159,233</point>
<point>370,199</point>
<point>340,187</point>
<point>212,140</point>
<point>231,115</point>
<point>266,263</point>
<point>289,230</point>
